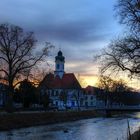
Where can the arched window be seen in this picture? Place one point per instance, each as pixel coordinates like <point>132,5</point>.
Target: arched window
<point>58,66</point>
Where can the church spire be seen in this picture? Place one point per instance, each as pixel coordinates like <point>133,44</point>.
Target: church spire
<point>59,64</point>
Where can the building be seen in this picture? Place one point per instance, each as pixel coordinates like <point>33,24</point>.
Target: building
<point>63,88</point>
<point>89,97</point>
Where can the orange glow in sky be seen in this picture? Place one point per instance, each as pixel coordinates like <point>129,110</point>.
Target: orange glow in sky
<point>86,80</point>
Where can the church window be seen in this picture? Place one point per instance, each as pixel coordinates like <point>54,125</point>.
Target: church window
<point>56,103</point>
<point>58,66</point>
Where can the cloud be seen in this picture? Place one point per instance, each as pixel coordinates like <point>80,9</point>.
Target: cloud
<point>72,21</point>
<point>81,31</point>
<point>80,27</point>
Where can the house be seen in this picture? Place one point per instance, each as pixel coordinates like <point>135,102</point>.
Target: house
<point>63,88</point>
<point>89,96</point>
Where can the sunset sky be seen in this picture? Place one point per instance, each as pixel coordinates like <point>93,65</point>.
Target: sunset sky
<point>81,28</point>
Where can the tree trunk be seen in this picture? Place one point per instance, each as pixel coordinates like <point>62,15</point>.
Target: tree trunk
<point>9,101</point>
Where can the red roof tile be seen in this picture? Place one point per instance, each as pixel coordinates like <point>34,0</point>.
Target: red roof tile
<point>68,81</point>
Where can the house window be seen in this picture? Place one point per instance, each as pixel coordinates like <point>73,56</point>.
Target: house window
<point>81,102</point>
<point>91,97</point>
<point>86,103</point>
<point>86,97</point>
<point>91,103</point>
<point>52,92</point>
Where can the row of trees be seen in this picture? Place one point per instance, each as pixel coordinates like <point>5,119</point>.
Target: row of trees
<point>116,92</point>
<point>28,95</point>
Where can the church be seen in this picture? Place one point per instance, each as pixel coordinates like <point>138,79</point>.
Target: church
<point>63,88</point>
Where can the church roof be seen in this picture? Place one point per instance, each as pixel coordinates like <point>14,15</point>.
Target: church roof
<point>68,81</point>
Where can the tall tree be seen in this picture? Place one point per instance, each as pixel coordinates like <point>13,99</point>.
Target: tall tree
<point>18,53</point>
<point>27,92</point>
<point>128,12</point>
<point>112,90</point>
<point>123,54</point>
<point>105,83</point>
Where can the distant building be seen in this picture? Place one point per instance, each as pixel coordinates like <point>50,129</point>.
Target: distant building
<point>89,96</point>
<point>63,88</point>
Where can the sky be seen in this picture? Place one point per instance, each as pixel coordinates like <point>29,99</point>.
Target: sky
<point>80,28</point>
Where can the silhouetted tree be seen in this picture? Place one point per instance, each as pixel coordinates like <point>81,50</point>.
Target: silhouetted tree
<point>105,83</point>
<point>123,54</point>
<point>112,91</point>
<point>28,93</point>
<point>128,12</point>
<point>17,54</point>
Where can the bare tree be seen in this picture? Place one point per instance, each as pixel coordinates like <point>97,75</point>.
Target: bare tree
<point>105,83</point>
<point>17,53</point>
<point>129,13</point>
<point>113,90</point>
<point>123,54</point>
<point>38,73</point>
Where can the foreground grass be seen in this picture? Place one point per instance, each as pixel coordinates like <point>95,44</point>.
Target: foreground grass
<point>10,121</point>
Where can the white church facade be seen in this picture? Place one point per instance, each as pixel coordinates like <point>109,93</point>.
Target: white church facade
<point>63,88</point>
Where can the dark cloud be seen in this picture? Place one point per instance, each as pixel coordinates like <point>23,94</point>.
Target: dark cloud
<point>73,21</point>
<point>85,30</point>
<point>79,27</point>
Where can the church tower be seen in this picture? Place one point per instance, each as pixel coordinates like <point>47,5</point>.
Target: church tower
<point>59,64</point>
